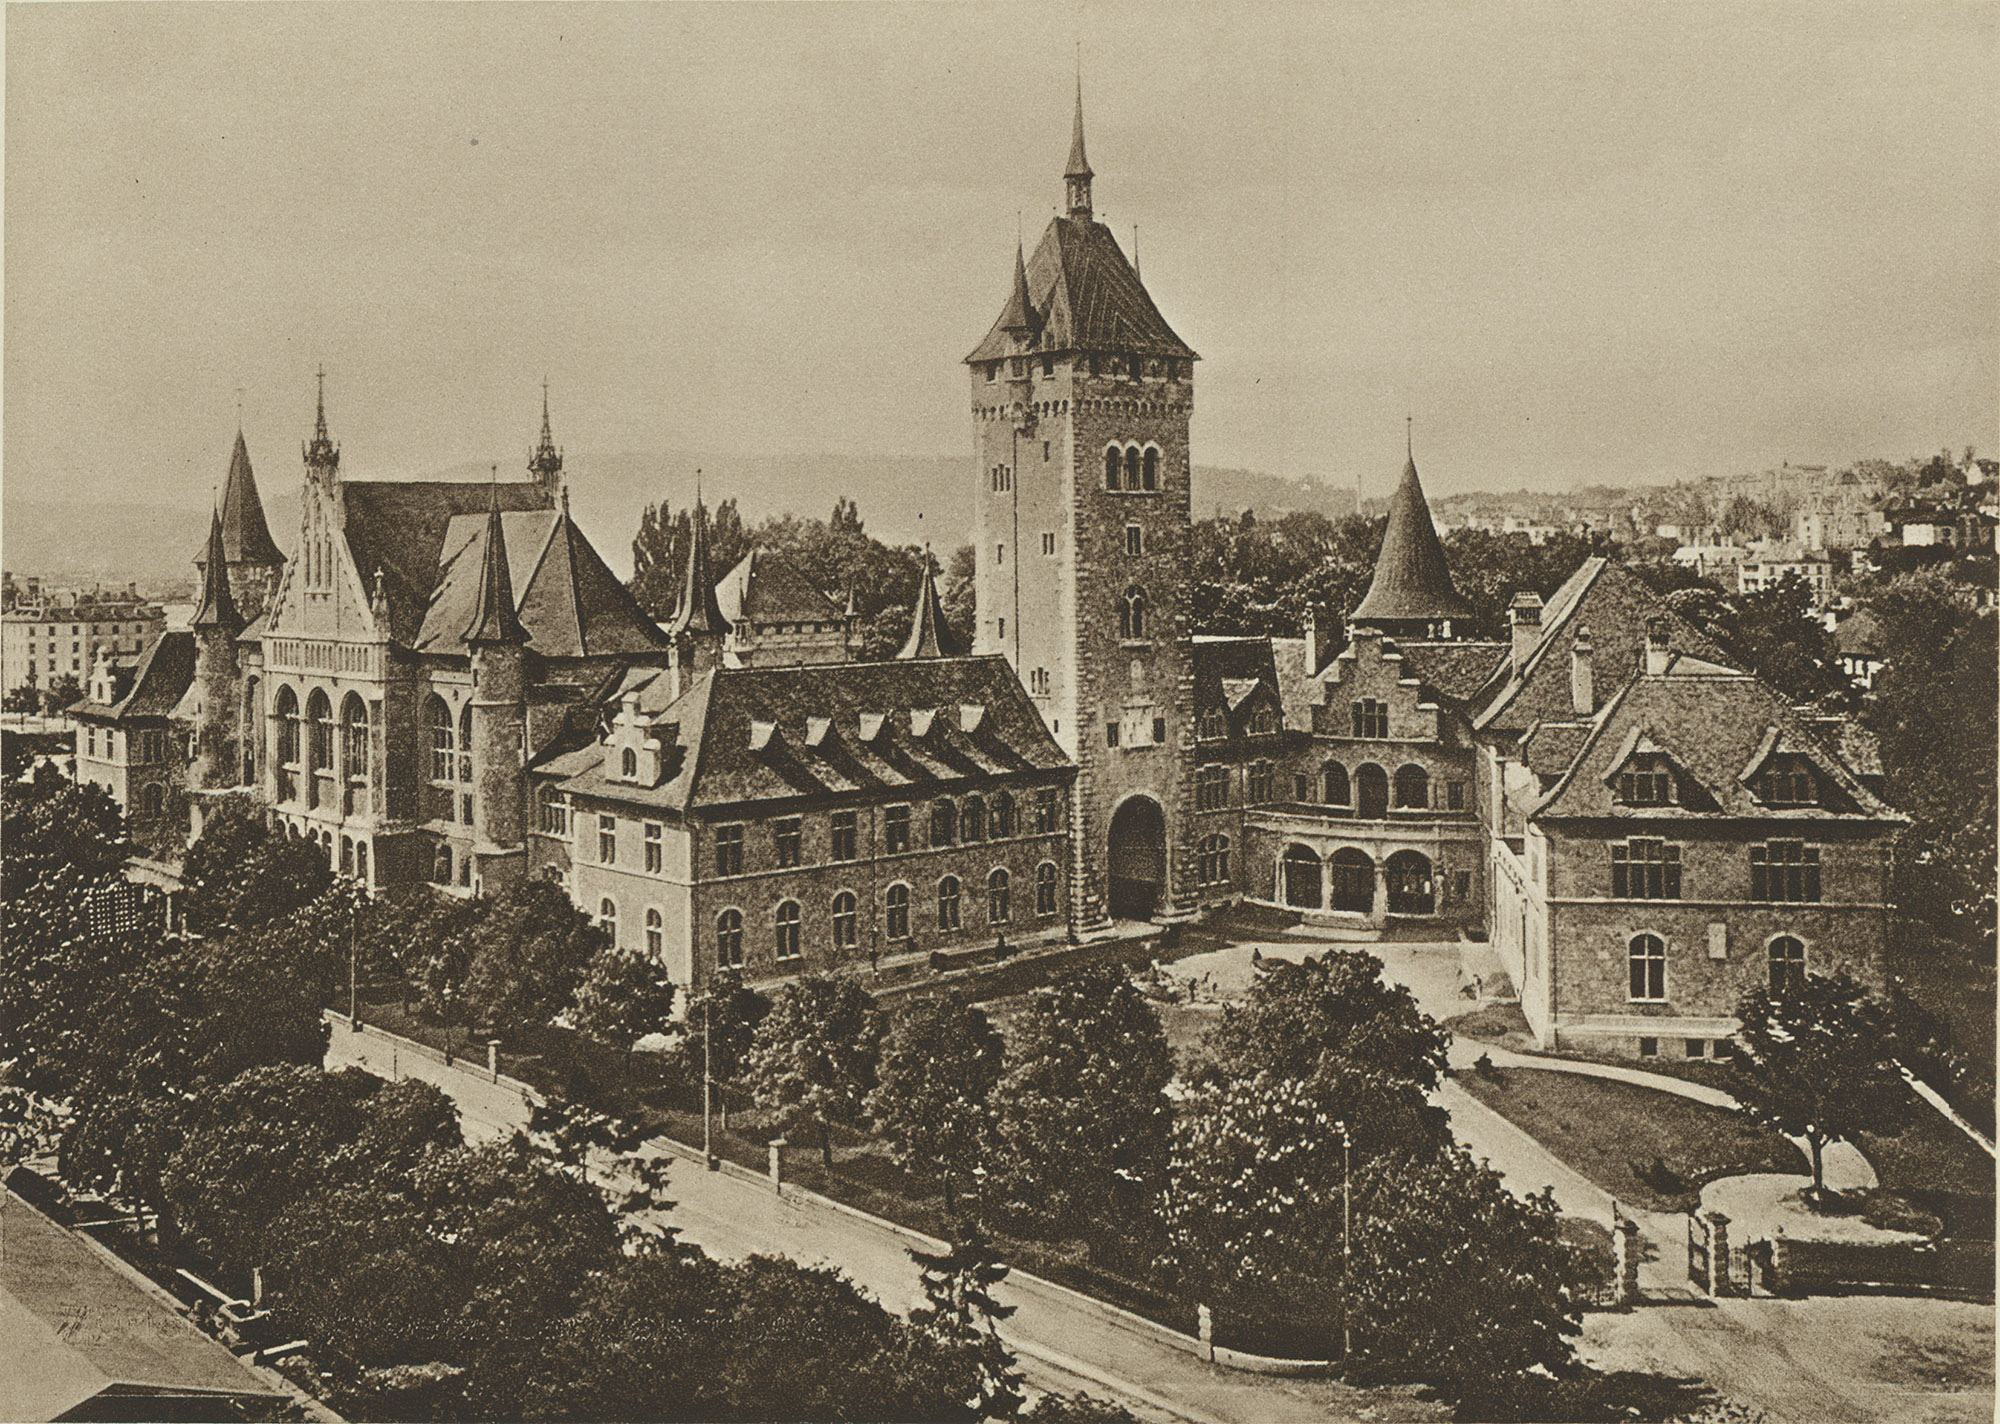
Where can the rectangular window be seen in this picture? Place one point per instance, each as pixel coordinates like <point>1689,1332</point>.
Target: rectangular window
<point>896,829</point>
<point>786,835</point>
<point>1785,872</point>
<point>1461,886</point>
<point>1649,1048</point>
<point>1045,452</point>
<point>729,850</point>
<point>465,809</point>
<point>1003,627</point>
<point>1646,788</point>
<point>654,857</point>
<point>1697,1048</point>
<point>1135,540</point>
<point>1110,734</point>
<point>1454,795</point>
<point>1371,718</point>
<point>843,835</point>
<point>607,840</point>
<point>1048,365</point>
<point>992,371</point>
<point>1259,782</point>
<point>1646,870</point>
<point>1049,545</point>
<point>1211,788</point>
<point>1159,731</point>
<point>999,554</point>
<point>1046,809</point>
<point>1301,786</point>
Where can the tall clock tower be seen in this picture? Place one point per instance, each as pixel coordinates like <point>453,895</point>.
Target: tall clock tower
<point>1081,398</point>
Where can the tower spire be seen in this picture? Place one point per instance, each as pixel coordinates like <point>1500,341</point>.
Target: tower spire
<point>930,637</point>
<point>322,454</point>
<point>1019,317</point>
<point>218,608</point>
<point>1077,176</point>
<point>545,461</point>
<point>699,613</point>
<point>494,619</point>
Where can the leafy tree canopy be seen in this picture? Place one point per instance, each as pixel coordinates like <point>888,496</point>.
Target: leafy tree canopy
<point>813,1059</point>
<point>934,1103</point>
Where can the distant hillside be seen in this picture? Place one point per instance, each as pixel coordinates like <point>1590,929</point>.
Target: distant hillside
<point>903,500</point>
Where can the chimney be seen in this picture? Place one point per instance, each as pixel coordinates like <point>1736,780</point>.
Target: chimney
<point>1657,650</point>
<point>1524,617</point>
<point>1312,643</point>
<point>1582,685</point>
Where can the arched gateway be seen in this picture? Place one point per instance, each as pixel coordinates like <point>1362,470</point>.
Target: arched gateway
<point>1137,863</point>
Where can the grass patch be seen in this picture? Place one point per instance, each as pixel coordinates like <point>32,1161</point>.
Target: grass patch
<point>1652,1149</point>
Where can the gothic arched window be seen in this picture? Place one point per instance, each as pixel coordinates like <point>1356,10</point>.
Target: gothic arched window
<point>1113,466</point>
<point>1132,613</point>
<point>1132,463</point>
<point>947,903</point>
<point>1151,478</point>
<point>999,897</point>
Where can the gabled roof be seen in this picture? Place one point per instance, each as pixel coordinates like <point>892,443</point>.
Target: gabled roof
<point>766,588</point>
<point>158,685</point>
<point>775,734</point>
<point>399,526</point>
<point>1412,579</point>
<point>246,537</point>
<point>570,604</point>
<point>1711,724</point>
<point>78,1326</point>
<point>1453,669</point>
<point>1615,605</point>
<point>1086,297</point>
<point>1233,675</point>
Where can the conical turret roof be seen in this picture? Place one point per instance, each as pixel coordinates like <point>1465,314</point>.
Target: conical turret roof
<point>1079,166</point>
<point>1020,312</point>
<point>494,619</point>
<point>929,635</point>
<point>699,613</point>
<point>1412,580</point>
<point>246,537</point>
<point>218,608</point>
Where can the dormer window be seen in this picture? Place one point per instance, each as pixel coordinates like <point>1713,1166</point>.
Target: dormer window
<point>1263,723</point>
<point>1789,780</point>
<point>1214,725</point>
<point>1646,781</point>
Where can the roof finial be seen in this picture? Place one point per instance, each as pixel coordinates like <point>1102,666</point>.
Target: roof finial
<point>1410,437</point>
<point>239,410</point>
<point>1077,176</point>
<point>319,425</point>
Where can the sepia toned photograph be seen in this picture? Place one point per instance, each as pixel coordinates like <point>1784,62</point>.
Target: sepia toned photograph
<point>655,764</point>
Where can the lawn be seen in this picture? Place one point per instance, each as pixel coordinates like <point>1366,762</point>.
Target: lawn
<point>1620,1136</point>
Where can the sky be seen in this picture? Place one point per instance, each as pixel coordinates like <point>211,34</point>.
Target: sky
<point>1576,243</point>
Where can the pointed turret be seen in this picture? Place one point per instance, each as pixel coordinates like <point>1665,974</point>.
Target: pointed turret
<point>1019,317</point>
<point>321,454</point>
<point>218,609</point>
<point>245,535</point>
<point>929,635</point>
<point>1412,593</point>
<point>1077,176</point>
<point>699,615</point>
<point>545,461</point>
<point>494,619</point>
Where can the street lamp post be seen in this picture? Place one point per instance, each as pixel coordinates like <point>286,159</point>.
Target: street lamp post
<point>1346,1235</point>
<point>708,1156</point>
<point>353,980</point>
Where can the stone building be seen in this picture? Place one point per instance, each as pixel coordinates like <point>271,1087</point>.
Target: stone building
<point>45,638</point>
<point>130,744</point>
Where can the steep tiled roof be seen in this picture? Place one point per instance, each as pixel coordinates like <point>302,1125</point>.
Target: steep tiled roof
<point>218,608</point>
<point>1412,579</point>
<point>494,619</point>
<point>1615,605</point>
<point>399,527</point>
<point>570,604</point>
<point>930,636</point>
<point>774,734</point>
<point>1229,672</point>
<point>765,588</point>
<point>1714,726</point>
<point>698,614</point>
<point>1457,670</point>
<point>246,537</point>
<point>158,685</point>
<point>1087,298</point>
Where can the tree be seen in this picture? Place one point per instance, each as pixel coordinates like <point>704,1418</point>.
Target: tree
<point>1080,1139</point>
<point>814,1055</point>
<point>1361,1046</point>
<point>52,824</point>
<point>960,1310</point>
<point>62,694</point>
<point>934,1103</point>
<point>241,874</point>
<point>1077,1409</point>
<point>25,698</point>
<point>530,950</point>
<point>255,999</point>
<point>623,998</point>
<point>1818,1063</point>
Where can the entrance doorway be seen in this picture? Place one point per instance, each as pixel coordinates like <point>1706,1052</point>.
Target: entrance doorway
<point>1353,888</point>
<point>1137,864</point>
<point>1302,878</point>
<point>1411,891</point>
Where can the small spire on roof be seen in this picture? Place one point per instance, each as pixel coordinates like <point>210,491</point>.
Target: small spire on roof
<point>700,614</point>
<point>930,637</point>
<point>218,608</point>
<point>320,452</point>
<point>1077,176</point>
<point>494,619</point>
<point>1020,313</point>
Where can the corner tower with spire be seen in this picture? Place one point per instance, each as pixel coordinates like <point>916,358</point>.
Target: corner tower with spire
<point>1081,400</point>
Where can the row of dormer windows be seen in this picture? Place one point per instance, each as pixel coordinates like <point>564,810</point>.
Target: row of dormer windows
<point>1649,779</point>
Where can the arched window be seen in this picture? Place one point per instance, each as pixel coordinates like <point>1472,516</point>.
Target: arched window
<point>288,743</point>
<point>438,723</point>
<point>999,897</point>
<point>1413,786</point>
<point>788,930</point>
<point>1151,475</point>
<point>1302,877</point>
<point>465,741</point>
<point>441,866</point>
<point>1788,966</point>
<point>897,903</point>
<point>1003,816</point>
<point>319,746</point>
<point>1132,613</point>
<point>1334,787</point>
<point>944,822</point>
<point>152,799</point>
<point>361,861</point>
<point>846,933</point>
<point>1371,791</point>
<point>346,855</point>
<point>628,764</point>
<point>1045,888</point>
<point>729,939</point>
<point>1646,956</point>
<point>354,757</point>
<point>607,918</point>
<point>1113,467</point>
<point>947,903</point>
<point>1214,860</point>
<point>656,937</point>
<point>1351,882</point>
<point>1132,476</point>
<point>972,821</point>
<point>1410,882</point>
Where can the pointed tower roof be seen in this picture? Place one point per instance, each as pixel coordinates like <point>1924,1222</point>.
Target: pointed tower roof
<point>1079,166</point>
<point>1412,580</point>
<point>494,619</point>
<point>246,538</point>
<point>929,636</point>
<point>545,461</point>
<point>1020,312</point>
<point>320,452</point>
<point>218,608</point>
<point>699,612</point>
